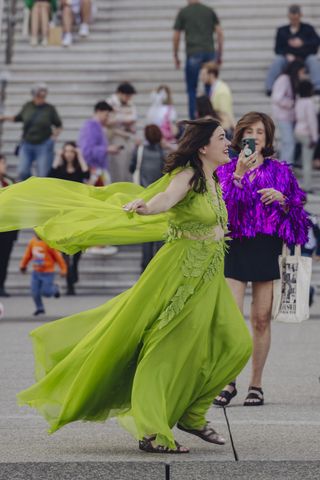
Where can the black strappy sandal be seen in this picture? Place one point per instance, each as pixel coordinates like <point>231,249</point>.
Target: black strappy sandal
<point>207,433</point>
<point>146,445</point>
<point>228,396</point>
<point>256,394</point>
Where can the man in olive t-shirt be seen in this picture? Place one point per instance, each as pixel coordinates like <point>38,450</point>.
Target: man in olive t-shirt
<point>199,23</point>
<point>41,126</point>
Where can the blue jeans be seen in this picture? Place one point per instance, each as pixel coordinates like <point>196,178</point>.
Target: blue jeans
<point>42,286</point>
<point>192,70</point>
<point>41,153</point>
<point>280,62</point>
<point>287,141</point>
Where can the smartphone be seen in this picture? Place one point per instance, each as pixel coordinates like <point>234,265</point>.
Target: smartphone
<point>248,146</point>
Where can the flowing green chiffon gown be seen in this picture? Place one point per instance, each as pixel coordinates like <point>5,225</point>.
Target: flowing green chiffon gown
<point>158,353</point>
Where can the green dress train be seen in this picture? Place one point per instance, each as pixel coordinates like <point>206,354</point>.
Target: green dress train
<point>158,353</point>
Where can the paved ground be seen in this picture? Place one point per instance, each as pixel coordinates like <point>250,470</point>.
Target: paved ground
<point>280,440</point>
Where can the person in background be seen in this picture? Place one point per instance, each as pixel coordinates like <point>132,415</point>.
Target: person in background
<point>312,247</point>
<point>265,209</point>
<point>283,100</point>
<point>163,113</point>
<point>220,96</point>
<point>204,108</point>
<point>41,127</point>
<point>296,41</point>
<point>146,166</point>
<point>122,129</point>
<point>94,145</point>
<point>199,23</point>
<point>72,10</point>
<point>306,129</point>
<point>44,259</point>
<point>69,164</point>
<point>7,239</point>
<point>95,148</point>
<point>40,15</point>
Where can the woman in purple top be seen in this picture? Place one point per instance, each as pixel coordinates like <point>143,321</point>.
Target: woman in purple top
<point>265,209</point>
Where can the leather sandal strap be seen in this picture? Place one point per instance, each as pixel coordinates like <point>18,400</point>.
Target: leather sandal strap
<point>255,394</point>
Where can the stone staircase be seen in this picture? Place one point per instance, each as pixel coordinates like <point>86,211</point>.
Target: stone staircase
<point>131,40</point>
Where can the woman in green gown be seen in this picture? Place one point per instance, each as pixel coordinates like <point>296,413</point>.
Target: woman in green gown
<point>156,355</point>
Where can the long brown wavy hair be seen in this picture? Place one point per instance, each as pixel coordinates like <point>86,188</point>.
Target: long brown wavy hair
<point>197,135</point>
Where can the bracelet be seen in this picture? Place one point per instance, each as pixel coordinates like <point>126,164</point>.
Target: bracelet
<point>285,199</point>
<point>237,180</point>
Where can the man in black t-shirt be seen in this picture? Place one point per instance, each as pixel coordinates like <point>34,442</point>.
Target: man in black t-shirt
<point>296,41</point>
<point>199,23</point>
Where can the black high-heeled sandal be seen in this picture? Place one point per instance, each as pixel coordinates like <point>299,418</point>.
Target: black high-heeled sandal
<point>207,433</point>
<point>255,394</point>
<point>226,395</point>
<point>146,445</point>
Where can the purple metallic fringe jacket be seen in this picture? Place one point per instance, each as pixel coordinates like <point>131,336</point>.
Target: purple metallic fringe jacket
<point>248,216</point>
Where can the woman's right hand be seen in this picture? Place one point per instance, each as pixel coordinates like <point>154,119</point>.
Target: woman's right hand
<point>139,206</point>
<point>244,163</point>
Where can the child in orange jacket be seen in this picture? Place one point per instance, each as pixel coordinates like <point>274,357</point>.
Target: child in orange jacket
<point>44,259</point>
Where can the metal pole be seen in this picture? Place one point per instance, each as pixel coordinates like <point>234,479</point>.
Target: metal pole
<point>11,22</point>
<point>3,85</point>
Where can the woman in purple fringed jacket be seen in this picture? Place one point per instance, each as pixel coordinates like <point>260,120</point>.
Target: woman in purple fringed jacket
<point>265,209</point>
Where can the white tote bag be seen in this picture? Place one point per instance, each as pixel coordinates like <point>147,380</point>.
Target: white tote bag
<point>136,173</point>
<point>291,291</point>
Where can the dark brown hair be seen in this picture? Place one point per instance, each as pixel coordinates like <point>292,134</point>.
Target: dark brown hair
<point>197,134</point>
<point>153,134</point>
<point>75,162</point>
<point>247,121</point>
<point>204,108</point>
<point>212,68</point>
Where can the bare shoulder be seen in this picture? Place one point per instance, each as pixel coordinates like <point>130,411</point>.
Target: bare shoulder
<point>184,176</point>
<point>180,184</point>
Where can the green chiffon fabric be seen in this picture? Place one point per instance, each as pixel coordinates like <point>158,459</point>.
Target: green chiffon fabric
<point>158,353</point>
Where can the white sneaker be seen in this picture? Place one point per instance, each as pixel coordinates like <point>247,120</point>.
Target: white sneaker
<point>67,40</point>
<point>107,250</point>
<point>44,42</point>
<point>34,41</point>
<point>84,30</point>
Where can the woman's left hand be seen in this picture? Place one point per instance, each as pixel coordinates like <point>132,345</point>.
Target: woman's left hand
<point>270,195</point>
<point>138,206</point>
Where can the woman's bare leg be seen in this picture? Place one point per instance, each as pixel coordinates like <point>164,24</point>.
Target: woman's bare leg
<point>261,328</point>
<point>45,11</point>
<point>238,289</point>
<point>67,18</point>
<point>35,21</point>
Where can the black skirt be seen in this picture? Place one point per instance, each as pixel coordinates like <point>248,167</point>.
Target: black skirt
<point>253,259</point>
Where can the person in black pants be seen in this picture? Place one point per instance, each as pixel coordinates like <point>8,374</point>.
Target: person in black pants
<point>146,166</point>
<point>7,239</point>
<point>69,164</point>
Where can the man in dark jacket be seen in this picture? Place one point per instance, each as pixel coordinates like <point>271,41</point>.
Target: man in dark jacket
<point>296,41</point>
